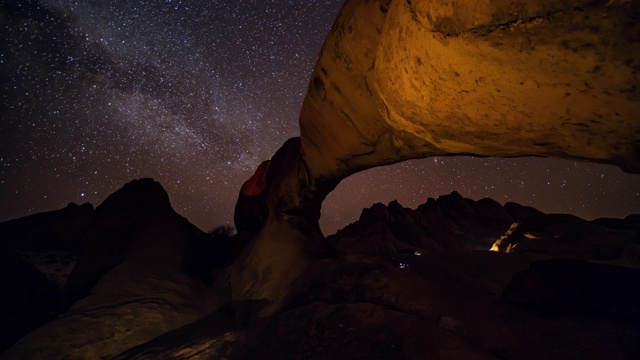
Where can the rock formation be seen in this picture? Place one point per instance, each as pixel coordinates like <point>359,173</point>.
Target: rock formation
<point>571,286</point>
<point>449,222</point>
<point>441,305</point>
<point>452,222</point>
<point>36,255</point>
<point>28,299</point>
<point>58,230</point>
<point>395,80</point>
<point>133,280</point>
<point>567,235</point>
<point>407,79</point>
<point>407,284</point>
<point>398,283</point>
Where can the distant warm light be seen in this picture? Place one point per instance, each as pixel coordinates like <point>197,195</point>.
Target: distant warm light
<point>497,243</point>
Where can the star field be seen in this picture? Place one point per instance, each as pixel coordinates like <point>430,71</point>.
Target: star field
<point>196,94</point>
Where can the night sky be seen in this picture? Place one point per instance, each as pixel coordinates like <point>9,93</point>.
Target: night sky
<point>196,94</point>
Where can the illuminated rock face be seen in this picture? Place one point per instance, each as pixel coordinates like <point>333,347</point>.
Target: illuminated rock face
<point>408,79</point>
<point>405,79</point>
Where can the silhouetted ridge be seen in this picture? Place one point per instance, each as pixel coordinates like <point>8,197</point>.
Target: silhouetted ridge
<point>140,266</point>
<point>135,200</point>
<point>52,230</point>
<point>449,222</point>
<point>455,223</point>
<point>144,268</point>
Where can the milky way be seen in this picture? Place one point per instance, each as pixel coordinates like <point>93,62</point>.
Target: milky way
<point>196,94</point>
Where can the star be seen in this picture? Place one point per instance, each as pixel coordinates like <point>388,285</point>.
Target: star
<point>197,95</point>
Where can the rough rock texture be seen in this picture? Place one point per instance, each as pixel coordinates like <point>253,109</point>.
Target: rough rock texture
<point>407,284</point>
<point>408,79</point>
<point>404,79</point>
<point>289,238</point>
<point>395,80</point>
<point>131,282</point>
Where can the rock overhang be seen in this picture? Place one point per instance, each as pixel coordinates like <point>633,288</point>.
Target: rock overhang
<point>398,80</point>
<point>406,79</point>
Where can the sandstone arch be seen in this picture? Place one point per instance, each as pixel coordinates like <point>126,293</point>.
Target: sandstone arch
<point>406,79</point>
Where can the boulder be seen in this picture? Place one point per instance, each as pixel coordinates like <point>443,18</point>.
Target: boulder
<point>132,282</point>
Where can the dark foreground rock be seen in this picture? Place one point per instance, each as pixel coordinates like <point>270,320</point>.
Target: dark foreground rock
<point>573,286</point>
<point>399,283</point>
<point>409,284</point>
<point>135,279</point>
<point>440,305</point>
<point>37,253</point>
<point>58,230</point>
<point>28,299</point>
<point>568,235</point>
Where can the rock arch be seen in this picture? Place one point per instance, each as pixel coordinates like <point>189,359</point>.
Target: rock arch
<point>398,80</point>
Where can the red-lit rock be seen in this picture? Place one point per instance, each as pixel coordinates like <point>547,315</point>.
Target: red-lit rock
<point>257,182</point>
